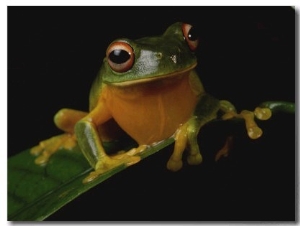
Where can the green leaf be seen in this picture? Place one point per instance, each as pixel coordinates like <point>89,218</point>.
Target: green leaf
<point>35,192</point>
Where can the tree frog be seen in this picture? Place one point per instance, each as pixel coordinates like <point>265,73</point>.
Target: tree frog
<point>149,89</point>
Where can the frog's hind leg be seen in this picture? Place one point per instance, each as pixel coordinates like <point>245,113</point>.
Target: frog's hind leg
<point>223,152</point>
<point>186,136</point>
<point>65,119</point>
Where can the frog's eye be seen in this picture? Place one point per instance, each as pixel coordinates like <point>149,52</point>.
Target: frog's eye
<point>190,36</point>
<point>120,56</point>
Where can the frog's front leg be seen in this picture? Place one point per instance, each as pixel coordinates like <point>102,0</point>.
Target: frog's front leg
<point>91,145</point>
<point>186,136</point>
<point>65,119</point>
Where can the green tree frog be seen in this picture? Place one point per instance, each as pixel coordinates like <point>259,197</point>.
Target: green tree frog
<point>149,89</point>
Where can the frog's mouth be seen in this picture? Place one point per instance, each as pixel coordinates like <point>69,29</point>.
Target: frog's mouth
<point>154,78</point>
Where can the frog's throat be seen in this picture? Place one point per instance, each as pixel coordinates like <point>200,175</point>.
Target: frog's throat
<point>150,79</point>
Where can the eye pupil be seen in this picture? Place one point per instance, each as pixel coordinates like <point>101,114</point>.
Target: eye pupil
<point>119,56</point>
<point>192,35</point>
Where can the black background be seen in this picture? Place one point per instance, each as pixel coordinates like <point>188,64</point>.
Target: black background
<point>246,55</point>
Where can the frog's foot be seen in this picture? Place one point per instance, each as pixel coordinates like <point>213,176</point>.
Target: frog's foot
<point>186,137</point>
<point>225,149</point>
<point>47,148</point>
<point>107,163</point>
<point>175,161</point>
<point>253,130</point>
<point>194,159</point>
<point>174,164</point>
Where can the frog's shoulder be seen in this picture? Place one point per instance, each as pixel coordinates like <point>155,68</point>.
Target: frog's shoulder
<point>96,90</point>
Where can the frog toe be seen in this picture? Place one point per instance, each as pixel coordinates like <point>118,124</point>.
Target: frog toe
<point>41,160</point>
<point>194,159</point>
<point>253,130</point>
<point>174,165</point>
<point>36,150</point>
<point>263,113</point>
<point>46,153</point>
<point>91,177</point>
<point>70,142</point>
<point>124,158</point>
<point>138,150</point>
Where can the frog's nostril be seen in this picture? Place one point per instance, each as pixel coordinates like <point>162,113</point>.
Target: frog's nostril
<point>159,55</point>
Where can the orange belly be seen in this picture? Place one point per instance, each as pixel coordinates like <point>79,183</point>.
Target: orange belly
<point>152,111</point>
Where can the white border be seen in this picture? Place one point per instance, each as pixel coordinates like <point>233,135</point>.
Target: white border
<point>153,2</point>
<point>3,66</point>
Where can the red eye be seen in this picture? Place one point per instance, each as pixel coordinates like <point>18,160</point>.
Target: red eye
<point>190,36</point>
<point>120,56</point>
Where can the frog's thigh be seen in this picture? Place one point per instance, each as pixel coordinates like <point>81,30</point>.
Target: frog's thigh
<point>65,119</point>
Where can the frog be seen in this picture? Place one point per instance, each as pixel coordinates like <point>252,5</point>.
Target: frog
<point>148,89</point>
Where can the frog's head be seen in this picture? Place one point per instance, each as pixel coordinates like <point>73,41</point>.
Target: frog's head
<point>135,61</point>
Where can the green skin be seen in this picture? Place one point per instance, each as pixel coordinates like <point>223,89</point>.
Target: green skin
<point>161,57</point>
